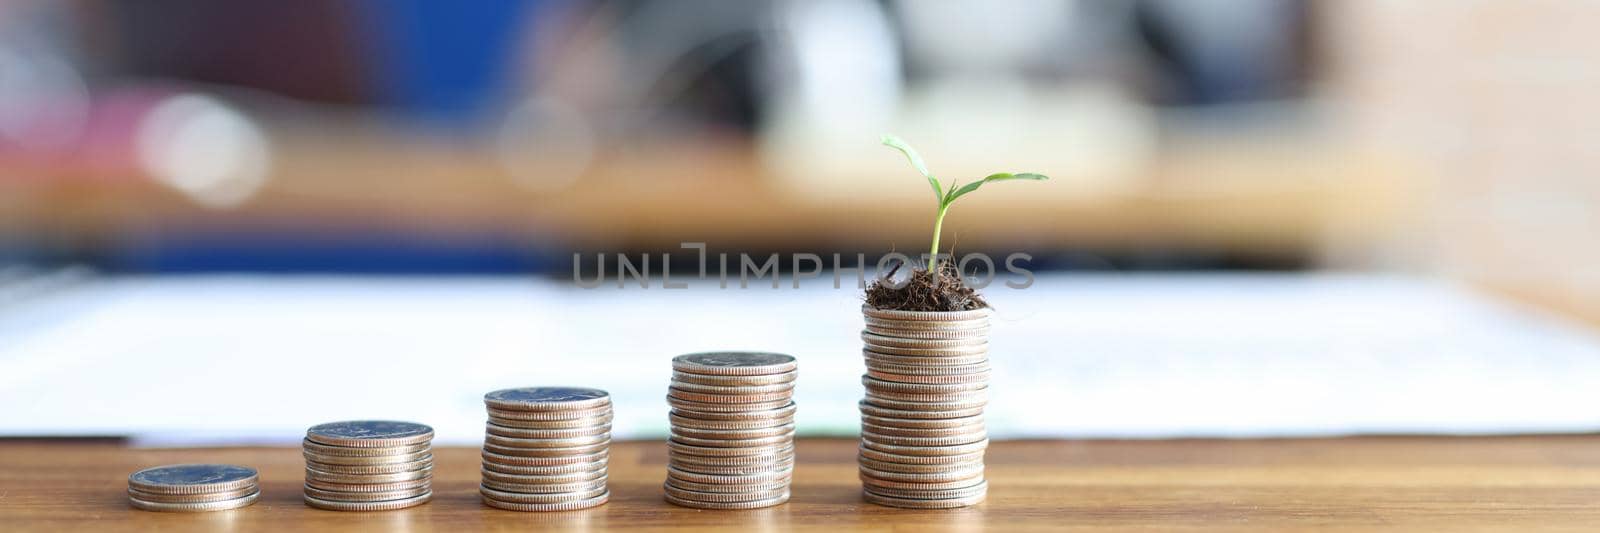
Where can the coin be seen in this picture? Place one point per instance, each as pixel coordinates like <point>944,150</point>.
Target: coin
<point>922,432</point>
<point>775,455</point>
<point>710,451</point>
<point>521,433</point>
<point>394,486</point>
<point>193,478</point>
<point>876,384</point>
<point>156,497</point>
<point>513,460</point>
<point>540,488</point>
<point>871,483</point>
<point>674,472</point>
<point>784,498</point>
<point>551,424</point>
<point>551,470</point>
<point>703,407</point>
<point>547,399</point>
<point>943,476</point>
<point>545,498</point>
<point>734,389</point>
<point>937,413</point>
<point>958,449</point>
<point>680,421</point>
<point>930,334</point>
<point>921,423</point>
<point>952,440</point>
<point>891,314</point>
<point>720,487</point>
<point>391,468</point>
<point>734,363</point>
<point>952,459</point>
<point>723,497</point>
<point>539,507</point>
<point>734,381</point>
<point>390,505</point>
<point>947,351</point>
<point>886,466</point>
<point>331,495</point>
<point>681,394</point>
<point>918,494</point>
<point>949,405</point>
<point>565,442</point>
<point>876,341</point>
<point>951,503</point>
<point>741,470</point>
<point>927,325</point>
<point>366,460</point>
<point>548,416</point>
<point>325,450</point>
<point>547,479</point>
<point>334,477</point>
<point>906,364</point>
<point>547,452</point>
<point>196,507</point>
<point>370,433</point>
<point>778,439</point>
<point>785,411</point>
<point>733,434</point>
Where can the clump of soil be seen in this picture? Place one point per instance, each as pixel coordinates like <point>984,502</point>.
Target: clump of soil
<point>924,292</point>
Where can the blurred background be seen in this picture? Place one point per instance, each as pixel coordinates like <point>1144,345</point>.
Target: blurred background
<point>1359,192</point>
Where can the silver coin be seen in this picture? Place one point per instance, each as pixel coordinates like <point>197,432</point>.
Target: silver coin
<point>784,411</point>
<point>586,422</point>
<point>734,363</point>
<point>745,470</point>
<point>921,371</point>
<point>546,507</point>
<point>723,497</point>
<point>733,434</point>
<point>313,474</point>
<point>680,421</point>
<point>193,478</point>
<point>875,384</point>
<point>735,381</point>
<point>156,497</point>
<point>751,479</point>
<point>708,451</point>
<point>953,431</point>
<point>892,314</point>
<point>337,496</point>
<point>921,423</point>
<point>946,475</point>
<point>885,466</point>
<point>702,407</point>
<point>514,460</point>
<point>939,413</point>
<point>547,399</point>
<point>389,505</point>
<point>734,443</point>
<point>391,468</point>
<point>706,397</point>
<point>892,457</point>
<point>521,433</point>
<point>717,487</point>
<point>914,494</point>
<point>768,455</point>
<point>200,507</point>
<point>946,325</point>
<point>546,498</point>
<point>930,334</point>
<point>551,479</point>
<point>548,452</point>
<point>734,390</point>
<point>365,461</point>
<point>541,488</point>
<point>871,483</point>
<point>724,506</point>
<point>544,416</point>
<point>325,450</point>
<point>873,358</point>
<point>423,482</point>
<point>953,440</point>
<point>958,449</point>
<point>566,442</point>
<point>948,503</point>
<point>370,433</point>
<point>948,351</point>
<point>914,403</point>
<point>876,341</point>
<point>548,470</point>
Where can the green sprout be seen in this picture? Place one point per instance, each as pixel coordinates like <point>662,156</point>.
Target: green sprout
<point>944,196</point>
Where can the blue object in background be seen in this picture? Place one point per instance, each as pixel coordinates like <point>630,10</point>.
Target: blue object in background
<point>444,62</point>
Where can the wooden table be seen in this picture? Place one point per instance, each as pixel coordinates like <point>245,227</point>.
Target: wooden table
<point>1409,483</point>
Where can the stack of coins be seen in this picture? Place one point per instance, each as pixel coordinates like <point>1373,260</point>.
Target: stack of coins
<point>922,428</point>
<point>368,465</point>
<point>546,448</point>
<point>732,420</point>
<point>193,488</point>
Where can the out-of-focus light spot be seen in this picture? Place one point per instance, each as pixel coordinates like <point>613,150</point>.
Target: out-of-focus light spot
<point>44,104</point>
<point>545,145</point>
<point>204,148</point>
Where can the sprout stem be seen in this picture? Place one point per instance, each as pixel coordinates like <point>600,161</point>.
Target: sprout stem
<point>933,253</point>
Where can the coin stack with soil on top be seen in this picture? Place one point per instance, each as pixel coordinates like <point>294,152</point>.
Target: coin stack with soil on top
<point>922,428</point>
<point>732,420</point>
<point>193,488</point>
<point>546,448</point>
<point>368,465</point>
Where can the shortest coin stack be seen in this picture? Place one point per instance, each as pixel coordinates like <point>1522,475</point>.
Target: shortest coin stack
<point>368,465</point>
<point>732,422</point>
<point>546,449</point>
<point>193,488</point>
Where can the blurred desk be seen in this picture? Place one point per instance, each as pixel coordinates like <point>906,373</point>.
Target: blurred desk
<point>1401,483</point>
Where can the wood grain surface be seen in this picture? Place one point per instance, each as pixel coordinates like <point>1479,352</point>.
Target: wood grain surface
<point>1395,483</point>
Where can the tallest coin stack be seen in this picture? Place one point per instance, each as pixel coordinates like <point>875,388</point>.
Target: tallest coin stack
<point>922,429</point>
